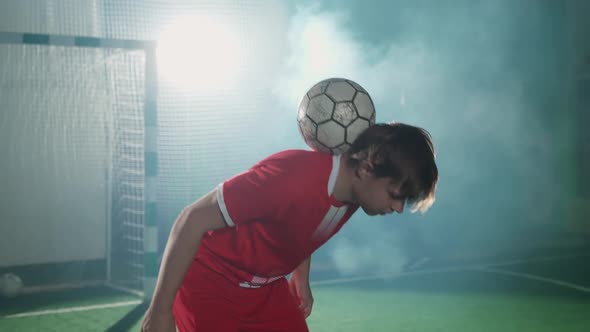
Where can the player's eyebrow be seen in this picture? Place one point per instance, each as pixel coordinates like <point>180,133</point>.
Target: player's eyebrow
<point>397,195</point>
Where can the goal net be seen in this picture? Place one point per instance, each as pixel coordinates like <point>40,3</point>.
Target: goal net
<point>77,149</point>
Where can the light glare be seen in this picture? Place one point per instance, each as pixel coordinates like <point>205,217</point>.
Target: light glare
<point>200,53</point>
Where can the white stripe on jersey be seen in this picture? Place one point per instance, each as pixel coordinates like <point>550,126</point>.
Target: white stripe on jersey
<point>257,281</point>
<point>330,221</point>
<point>223,207</point>
<point>333,174</point>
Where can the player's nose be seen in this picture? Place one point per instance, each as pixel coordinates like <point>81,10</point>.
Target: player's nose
<point>398,206</point>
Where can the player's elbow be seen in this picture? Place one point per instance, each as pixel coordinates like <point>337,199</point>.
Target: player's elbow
<point>202,216</point>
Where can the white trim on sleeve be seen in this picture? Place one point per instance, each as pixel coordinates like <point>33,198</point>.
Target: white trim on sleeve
<point>223,207</point>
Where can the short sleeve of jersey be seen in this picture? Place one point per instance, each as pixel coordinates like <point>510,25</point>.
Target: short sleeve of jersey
<point>255,195</point>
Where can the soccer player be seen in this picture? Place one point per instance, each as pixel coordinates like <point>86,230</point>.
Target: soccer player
<point>225,264</point>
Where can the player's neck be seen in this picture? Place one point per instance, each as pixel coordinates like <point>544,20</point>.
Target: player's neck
<point>343,186</point>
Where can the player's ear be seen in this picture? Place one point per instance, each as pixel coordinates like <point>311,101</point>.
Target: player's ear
<point>365,169</point>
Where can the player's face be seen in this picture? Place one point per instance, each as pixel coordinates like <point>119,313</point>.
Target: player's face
<point>378,196</point>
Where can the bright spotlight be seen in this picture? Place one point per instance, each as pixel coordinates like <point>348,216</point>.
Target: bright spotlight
<point>199,53</point>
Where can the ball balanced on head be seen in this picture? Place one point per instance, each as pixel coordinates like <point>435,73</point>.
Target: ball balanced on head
<point>333,113</point>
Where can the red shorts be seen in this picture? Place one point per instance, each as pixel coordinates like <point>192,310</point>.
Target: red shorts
<point>208,302</point>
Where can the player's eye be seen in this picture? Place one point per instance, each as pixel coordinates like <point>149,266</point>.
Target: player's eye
<point>397,197</point>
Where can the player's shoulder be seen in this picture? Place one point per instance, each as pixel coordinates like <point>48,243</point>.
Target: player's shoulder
<point>297,161</point>
<point>301,171</point>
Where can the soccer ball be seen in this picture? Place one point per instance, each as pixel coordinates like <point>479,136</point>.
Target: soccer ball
<point>333,113</point>
<point>10,285</point>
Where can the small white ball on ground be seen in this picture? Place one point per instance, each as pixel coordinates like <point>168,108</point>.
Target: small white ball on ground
<point>10,285</point>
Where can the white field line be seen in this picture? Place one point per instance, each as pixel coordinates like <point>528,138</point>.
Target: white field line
<point>74,309</point>
<point>478,267</point>
<point>535,277</point>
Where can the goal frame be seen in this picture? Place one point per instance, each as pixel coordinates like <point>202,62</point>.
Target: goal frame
<point>150,120</point>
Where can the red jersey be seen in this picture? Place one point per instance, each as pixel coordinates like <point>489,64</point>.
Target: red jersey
<point>278,212</point>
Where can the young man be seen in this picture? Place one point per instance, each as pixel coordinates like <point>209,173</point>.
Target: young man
<point>263,224</point>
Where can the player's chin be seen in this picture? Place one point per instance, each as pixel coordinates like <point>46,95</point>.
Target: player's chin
<point>371,212</point>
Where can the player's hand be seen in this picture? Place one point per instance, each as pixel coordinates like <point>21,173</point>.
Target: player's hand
<point>158,321</point>
<point>302,291</point>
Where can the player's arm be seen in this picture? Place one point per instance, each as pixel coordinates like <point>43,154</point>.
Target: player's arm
<point>299,285</point>
<point>184,239</point>
<point>302,271</point>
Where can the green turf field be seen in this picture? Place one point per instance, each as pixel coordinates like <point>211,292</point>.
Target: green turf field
<point>539,295</point>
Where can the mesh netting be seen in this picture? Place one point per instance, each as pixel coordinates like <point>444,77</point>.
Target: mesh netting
<point>72,123</point>
<point>72,141</point>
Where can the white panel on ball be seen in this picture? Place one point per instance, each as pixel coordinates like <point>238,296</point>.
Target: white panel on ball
<point>341,91</point>
<point>323,108</point>
<point>345,113</point>
<point>331,134</point>
<point>364,106</point>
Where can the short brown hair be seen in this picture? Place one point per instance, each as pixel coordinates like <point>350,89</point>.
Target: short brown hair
<point>403,152</point>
